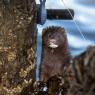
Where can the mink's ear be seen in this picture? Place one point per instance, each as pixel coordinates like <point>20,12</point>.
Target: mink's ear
<point>48,29</point>
<point>61,29</point>
<point>44,31</point>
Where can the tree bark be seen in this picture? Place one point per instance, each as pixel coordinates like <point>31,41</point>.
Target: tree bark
<point>17,45</point>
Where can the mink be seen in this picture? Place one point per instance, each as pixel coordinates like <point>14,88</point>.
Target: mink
<point>55,52</point>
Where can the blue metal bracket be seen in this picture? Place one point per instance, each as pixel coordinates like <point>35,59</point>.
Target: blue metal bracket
<point>42,13</point>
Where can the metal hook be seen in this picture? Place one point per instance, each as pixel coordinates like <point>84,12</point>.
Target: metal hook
<point>42,13</point>
<point>42,1</point>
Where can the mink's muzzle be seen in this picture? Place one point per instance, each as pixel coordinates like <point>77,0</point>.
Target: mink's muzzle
<point>52,43</point>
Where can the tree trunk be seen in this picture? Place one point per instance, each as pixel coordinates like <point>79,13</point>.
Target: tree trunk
<point>17,45</point>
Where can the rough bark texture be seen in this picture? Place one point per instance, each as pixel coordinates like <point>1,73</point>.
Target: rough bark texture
<point>17,45</point>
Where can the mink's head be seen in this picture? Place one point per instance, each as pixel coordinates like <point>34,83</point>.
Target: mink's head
<point>54,37</point>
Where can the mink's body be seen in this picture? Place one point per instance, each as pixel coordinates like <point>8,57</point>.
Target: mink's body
<point>55,52</point>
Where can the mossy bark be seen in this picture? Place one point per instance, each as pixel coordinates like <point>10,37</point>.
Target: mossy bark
<point>17,45</point>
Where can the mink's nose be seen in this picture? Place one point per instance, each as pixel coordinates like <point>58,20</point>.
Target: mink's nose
<point>52,41</point>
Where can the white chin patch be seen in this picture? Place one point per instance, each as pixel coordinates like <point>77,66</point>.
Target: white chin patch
<point>52,45</point>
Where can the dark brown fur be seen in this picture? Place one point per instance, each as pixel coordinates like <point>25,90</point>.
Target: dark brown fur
<point>54,59</point>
